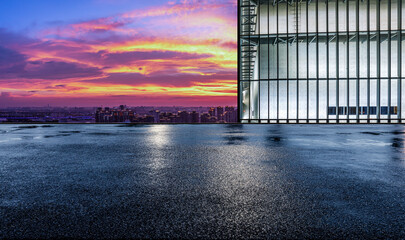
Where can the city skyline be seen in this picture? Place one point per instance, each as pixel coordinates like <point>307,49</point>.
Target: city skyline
<point>103,52</point>
<point>119,114</point>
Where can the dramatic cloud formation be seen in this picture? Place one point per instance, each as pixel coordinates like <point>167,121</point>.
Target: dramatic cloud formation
<point>176,53</point>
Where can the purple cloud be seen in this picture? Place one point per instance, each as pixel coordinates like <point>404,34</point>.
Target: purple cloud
<point>59,70</point>
<point>130,57</point>
<point>162,79</point>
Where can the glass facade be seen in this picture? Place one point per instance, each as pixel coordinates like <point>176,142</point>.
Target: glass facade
<point>321,61</point>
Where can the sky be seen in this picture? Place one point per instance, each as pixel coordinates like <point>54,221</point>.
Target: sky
<point>112,52</point>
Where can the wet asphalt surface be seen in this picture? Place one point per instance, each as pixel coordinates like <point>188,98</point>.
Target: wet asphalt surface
<point>202,181</point>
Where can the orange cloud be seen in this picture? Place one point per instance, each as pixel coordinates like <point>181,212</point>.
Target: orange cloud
<point>184,48</point>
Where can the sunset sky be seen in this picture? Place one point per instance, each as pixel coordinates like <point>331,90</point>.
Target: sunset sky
<point>111,52</point>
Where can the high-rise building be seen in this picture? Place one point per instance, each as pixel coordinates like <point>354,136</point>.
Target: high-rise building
<point>211,111</point>
<point>230,116</point>
<point>195,117</point>
<point>156,115</point>
<point>114,115</point>
<point>184,117</point>
<point>220,113</point>
<point>321,61</point>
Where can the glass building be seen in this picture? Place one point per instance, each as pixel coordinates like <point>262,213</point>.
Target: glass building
<point>321,61</point>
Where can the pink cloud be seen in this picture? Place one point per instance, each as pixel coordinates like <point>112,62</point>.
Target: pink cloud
<point>180,44</point>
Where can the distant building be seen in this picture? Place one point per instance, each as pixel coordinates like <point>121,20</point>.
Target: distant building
<point>207,118</point>
<point>114,115</point>
<point>230,115</point>
<point>211,112</point>
<point>156,115</point>
<point>195,117</point>
<point>220,113</point>
<point>184,117</point>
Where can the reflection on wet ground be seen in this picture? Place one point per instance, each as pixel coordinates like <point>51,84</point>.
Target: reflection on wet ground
<point>202,181</point>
